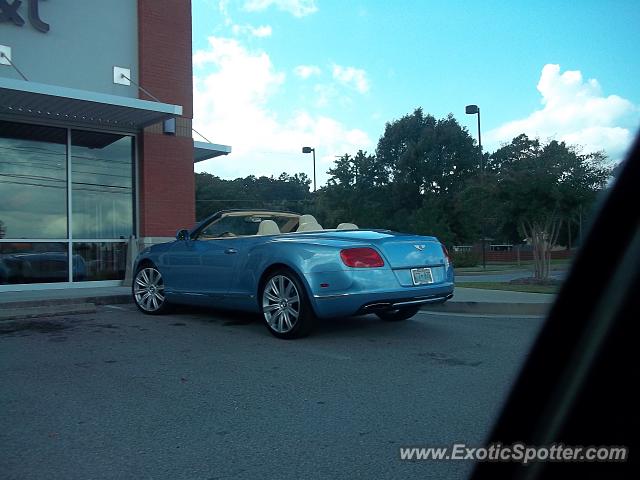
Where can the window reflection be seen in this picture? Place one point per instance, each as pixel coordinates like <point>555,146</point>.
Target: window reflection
<point>33,203</point>
<point>33,181</point>
<point>99,261</point>
<point>34,262</point>
<point>102,185</point>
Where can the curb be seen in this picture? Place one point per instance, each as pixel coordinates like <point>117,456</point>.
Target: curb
<point>96,300</point>
<point>58,306</point>
<point>483,273</point>
<point>46,311</point>
<point>500,272</point>
<point>490,308</point>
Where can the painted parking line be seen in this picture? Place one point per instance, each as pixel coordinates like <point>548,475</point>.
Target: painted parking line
<point>116,307</point>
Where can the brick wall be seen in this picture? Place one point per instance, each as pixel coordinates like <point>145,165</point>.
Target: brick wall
<point>167,185</point>
<point>165,58</point>
<point>167,190</point>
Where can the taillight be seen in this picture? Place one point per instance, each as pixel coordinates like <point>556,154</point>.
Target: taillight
<point>446,253</point>
<point>361,258</point>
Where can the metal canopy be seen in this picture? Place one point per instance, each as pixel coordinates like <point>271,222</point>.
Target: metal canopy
<point>205,151</point>
<point>37,102</point>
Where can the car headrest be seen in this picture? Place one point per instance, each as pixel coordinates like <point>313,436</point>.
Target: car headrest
<point>268,227</point>
<point>347,226</point>
<point>309,227</point>
<point>307,219</point>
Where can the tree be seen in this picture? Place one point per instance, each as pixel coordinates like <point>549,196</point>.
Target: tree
<point>540,186</point>
<point>417,156</point>
<point>432,218</point>
<point>356,192</point>
<point>287,192</point>
<point>420,154</point>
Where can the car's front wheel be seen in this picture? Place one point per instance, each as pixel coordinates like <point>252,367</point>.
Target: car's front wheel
<point>285,306</point>
<point>398,314</point>
<point>148,290</point>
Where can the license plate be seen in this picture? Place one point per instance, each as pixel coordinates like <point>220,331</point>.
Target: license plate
<point>421,276</point>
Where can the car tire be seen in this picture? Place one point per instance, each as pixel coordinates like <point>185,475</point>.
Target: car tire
<point>148,290</point>
<point>285,306</point>
<point>399,314</point>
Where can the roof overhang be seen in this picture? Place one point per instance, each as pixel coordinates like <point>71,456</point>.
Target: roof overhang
<point>37,102</point>
<point>205,151</point>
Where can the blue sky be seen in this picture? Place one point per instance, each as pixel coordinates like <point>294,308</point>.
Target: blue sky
<point>273,75</point>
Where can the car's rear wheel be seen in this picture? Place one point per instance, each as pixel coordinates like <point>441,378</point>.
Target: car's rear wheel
<point>285,306</point>
<point>398,314</point>
<point>148,290</point>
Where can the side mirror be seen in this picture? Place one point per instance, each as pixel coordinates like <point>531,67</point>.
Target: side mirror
<point>183,234</point>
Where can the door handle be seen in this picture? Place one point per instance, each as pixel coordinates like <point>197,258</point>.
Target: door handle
<point>230,251</point>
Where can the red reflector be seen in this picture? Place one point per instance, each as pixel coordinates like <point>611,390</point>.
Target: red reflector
<point>361,258</point>
<point>445,251</point>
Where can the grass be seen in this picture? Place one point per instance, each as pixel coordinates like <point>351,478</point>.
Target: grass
<point>509,286</point>
<point>556,264</point>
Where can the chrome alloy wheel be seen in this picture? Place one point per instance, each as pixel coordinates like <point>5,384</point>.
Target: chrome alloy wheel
<point>281,304</point>
<point>148,289</point>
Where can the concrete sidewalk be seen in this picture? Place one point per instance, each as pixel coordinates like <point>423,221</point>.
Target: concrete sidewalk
<point>65,301</point>
<point>59,301</point>
<point>507,276</point>
<point>499,296</point>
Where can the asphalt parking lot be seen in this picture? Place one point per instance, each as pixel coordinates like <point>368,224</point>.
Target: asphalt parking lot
<point>207,395</point>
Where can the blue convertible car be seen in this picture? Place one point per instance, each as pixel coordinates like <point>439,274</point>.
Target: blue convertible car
<point>287,267</point>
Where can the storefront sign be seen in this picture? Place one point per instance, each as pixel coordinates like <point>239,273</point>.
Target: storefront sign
<point>9,12</point>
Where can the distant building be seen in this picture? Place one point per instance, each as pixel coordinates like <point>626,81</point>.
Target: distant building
<point>96,102</point>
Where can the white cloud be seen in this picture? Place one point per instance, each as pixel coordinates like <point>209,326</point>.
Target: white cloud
<point>297,8</point>
<point>306,71</point>
<point>233,87</point>
<point>261,31</point>
<point>223,7</point>
<point>575,110</point>
<point>329,95</point>
<point>323,94</point>
<point>354,77</point>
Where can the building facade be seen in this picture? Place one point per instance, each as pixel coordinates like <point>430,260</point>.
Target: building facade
<point>96,147</point>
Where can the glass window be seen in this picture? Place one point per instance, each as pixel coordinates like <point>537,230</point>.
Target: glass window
<point>99,261</point>
<point>33,181</point>
<point>33,262</point>
<point>102,185</point>
<point>33,203</point>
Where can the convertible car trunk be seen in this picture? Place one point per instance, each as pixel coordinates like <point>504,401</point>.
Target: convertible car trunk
<point>401,251</point>
<point>408,252</point>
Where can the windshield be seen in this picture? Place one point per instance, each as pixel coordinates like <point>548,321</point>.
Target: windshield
<point>246,223</point>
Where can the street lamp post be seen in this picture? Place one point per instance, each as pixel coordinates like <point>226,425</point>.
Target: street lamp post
<point>312,150</point>
<point>472,110</point>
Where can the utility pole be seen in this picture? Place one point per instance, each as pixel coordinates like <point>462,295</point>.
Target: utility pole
<point>473,110</point>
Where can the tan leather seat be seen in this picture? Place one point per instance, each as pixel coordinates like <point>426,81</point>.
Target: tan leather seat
<point>347,226</point>
<point>309,227</point>
<point>307,219</point>
<point>268,227</point>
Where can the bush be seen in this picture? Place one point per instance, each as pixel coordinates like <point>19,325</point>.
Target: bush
<point>465,259</point>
